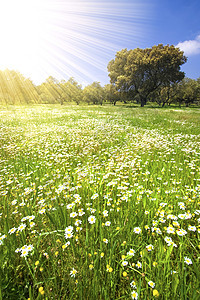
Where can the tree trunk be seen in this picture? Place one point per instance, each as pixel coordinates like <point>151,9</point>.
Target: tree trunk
<point>143,101</point>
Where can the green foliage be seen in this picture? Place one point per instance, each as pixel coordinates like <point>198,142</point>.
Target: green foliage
<point>187,91</point>
<point>142,71</point>
<point>93,94</point>
<point>16,89</point>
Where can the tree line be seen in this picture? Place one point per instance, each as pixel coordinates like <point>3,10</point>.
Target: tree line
<point>136,76</point>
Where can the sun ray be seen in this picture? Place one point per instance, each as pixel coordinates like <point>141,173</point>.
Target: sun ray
<point>68,38</point>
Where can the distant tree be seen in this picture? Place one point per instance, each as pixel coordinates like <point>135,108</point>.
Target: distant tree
<point>187,91</point>
<point>51,91</point>
<point>111,94</point>
<point>94,93</point>
<point>164,95</point>
<point>16,89</point>
<point>72,91</point>
<point>142,71</point>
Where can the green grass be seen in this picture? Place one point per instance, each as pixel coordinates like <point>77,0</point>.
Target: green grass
<point>129,168</point>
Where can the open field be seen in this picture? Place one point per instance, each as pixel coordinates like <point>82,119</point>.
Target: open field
<point>99,203</point>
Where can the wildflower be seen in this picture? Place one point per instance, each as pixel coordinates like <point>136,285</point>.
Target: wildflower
<point>107,223</point>
<point>187,260</point>
<point>24,252</point>
<point>151,284</point>
<point>124,274</point>
<point>149,247</point>
<point>172,217</point>
<point>29,247</point>
<point>37,263</point>
<point>73,272</point>
<point>46,255</point>
<point>131,252</point>
<point>42,211</point>
<point>95,196</point>
<point>21,227</point>
<point>91,266</point>
<point>105,241</point>
<point>17,250</point>
<point>78,229</point>
<point>133,284</point>
<point>65,245</point>
<point>31,218</point>
<point>168,239</point>
<point>78,222</point>
<point>92,219</point>
<point>68,235</point>
<point>192,228</point>
<point>176,223</point>
<point>163,204</point>
<point>134,295</point>
<point>12,230</point>
<point>41,290</point>
<point>181,232</point>
<point>137,230</point>
<point>69,206</point>
<point>155,263</point>
<point>14,202</point>
<point>139,265</point>
<point>170,229</point>
<point>73,214</point>
<point>105,213</point>
<point>124,263</point>
<point>102,254</point>
<point>109,269</point>
<point>162,220</point>
<point>158,231</point>
<point>155,293</point>
<point>69,229</point>
<point>154,222</point>
<point>80,212</point>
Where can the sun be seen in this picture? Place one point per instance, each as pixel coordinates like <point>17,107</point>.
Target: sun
<point>20,34</point>
<point>66,38</point>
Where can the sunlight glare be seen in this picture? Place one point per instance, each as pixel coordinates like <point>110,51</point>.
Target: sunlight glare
<point>66,38</point>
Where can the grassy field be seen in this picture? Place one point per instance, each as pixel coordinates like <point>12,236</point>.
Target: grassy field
<point>99,203</point>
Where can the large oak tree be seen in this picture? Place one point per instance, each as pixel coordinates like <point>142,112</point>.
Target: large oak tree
<point>140,72</point>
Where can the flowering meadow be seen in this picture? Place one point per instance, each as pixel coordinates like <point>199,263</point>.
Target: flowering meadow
<point>99,203</point>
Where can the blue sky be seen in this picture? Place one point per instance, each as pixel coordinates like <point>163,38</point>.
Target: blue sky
<point>78,38</point>
<point>177,22</point>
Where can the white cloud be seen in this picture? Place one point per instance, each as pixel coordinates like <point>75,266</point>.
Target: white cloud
<point>190,47</point>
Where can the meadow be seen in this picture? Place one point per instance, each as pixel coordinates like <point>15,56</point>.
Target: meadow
<point>99,202</point>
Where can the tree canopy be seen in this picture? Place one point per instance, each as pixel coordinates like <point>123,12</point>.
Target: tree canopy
<point>140,72</point>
